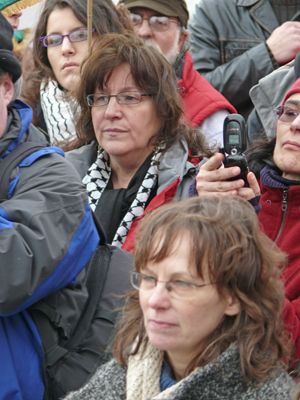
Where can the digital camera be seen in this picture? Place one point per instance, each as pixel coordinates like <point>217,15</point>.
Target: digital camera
<point>235,144</point>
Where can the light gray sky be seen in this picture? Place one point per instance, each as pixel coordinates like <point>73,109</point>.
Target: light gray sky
<point>30,15</point>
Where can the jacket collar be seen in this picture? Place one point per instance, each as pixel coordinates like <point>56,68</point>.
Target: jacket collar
<point>262,13</point>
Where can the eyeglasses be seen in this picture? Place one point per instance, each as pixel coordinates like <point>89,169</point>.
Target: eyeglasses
<point>286,114</point>
<point>176,287</point>
<point>124,98</point>
<point>158,23</point>
<point>56,39</point>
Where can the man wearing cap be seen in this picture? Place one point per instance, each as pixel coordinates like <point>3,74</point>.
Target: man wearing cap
<point>162,24</point>
<point>47,237</point>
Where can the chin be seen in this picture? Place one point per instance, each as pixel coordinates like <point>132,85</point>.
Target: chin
<point>70,83</point>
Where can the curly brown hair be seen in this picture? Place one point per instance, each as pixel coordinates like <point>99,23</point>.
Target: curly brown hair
<point>224,235</point>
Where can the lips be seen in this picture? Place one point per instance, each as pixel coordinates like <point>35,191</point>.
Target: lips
<point>70,65</point>
<point>160,324</point>
<point>291,144</point>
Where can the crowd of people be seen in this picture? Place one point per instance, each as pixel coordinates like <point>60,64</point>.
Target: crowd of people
<point>138,266</point>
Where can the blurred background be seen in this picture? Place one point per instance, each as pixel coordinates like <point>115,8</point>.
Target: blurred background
<point>31,14</point>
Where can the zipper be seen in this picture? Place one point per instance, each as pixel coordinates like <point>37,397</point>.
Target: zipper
<point>284,207</point>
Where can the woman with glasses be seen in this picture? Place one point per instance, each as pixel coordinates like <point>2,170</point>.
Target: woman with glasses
<point>59,47</point>
<point>138,146</point>
<point>204,319</point>
<point>277,165</point>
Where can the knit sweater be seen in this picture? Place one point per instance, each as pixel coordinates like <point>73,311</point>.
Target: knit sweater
<point>218,380</point>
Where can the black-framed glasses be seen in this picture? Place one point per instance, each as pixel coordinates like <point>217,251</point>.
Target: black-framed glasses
<point>158,23</point>
<point>56,39</point>
<point>287,114</point>
<point>123,98</point>
<point>177,288</point>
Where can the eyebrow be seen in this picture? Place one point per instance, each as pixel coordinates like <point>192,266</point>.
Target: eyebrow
<point>72,30</point>
<point>183,274</point>
<point>292,102</point>
<point>124,89</point>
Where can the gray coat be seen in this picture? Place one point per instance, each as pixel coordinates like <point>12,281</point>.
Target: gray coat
<point>174,164</point>
<point>228,45</point>
<point>219,380</point>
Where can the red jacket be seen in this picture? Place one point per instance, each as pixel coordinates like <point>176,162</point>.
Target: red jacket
<point>280,220</point>
<point>200,98</point>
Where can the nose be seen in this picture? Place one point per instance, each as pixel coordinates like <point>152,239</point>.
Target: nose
<point>159,297</point>
<point>295,125</point>
<point>113,110</point>
<point>67,46</point>
<point>144,30</point>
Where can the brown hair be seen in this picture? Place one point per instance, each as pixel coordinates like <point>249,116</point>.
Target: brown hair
<point>152,74</point>
<point>225,237</point>
<point>106,18</point>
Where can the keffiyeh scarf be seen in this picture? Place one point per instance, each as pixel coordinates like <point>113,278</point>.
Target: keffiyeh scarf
<point>59,112</point>
<point>97,179</point>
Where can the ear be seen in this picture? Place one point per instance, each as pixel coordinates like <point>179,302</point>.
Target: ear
<point>182,38</point>
<point>232,305</point>
<point>7,89</point>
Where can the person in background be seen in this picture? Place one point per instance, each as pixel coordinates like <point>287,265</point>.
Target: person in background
<point>204,318</point>
<point>47,237</point>
<point>138,146</point>
<point>235,43</point>
<point>162,24</point>
<point>12,11</point>
<point>60,45</point>
<point>276,161</point>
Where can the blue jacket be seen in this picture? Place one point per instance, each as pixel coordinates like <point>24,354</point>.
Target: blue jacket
<point>47,236</point>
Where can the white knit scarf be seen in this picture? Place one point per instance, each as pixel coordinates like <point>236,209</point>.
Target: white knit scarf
<point>143,376</point>
<point>59,111</point>
<point>97,179</point>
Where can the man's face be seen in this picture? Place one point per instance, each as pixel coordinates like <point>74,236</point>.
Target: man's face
<point>168,42</point>
<point>6,96</point>
<point>14,20</point>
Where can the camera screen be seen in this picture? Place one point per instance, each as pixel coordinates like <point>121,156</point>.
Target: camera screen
<point>234,139</point>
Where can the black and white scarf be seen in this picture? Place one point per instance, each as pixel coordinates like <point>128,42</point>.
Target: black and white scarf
<point>97,179</point>
<point>59,111</point>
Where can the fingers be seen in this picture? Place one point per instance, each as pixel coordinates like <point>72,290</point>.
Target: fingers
<point>252,191</point>
<point>253,184</point>
<point>213,163</point>
<point>212,178</point>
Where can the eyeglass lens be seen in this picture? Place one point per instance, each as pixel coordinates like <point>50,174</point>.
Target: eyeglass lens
<point>56,39</point>
<point>287,114</point>
<point>156,22</point>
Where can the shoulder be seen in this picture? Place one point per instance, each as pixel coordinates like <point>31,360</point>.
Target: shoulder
<point>83,157</point>
<point>108,383</point>
<point>280,387</point>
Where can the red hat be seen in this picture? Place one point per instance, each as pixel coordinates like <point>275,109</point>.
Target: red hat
<point>295,88</point>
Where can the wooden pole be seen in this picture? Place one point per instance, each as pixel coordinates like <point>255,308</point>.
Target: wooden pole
<point>90,22</point>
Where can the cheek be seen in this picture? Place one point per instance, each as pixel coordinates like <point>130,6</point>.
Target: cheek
<point>83,51</point>
<point>96,119</point>
<point>143,300</point>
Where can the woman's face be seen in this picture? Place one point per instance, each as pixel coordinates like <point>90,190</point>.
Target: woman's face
<point>287,149</point>
<point>124,131</point>
<point>181,323</point>
<point>66,59</point>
